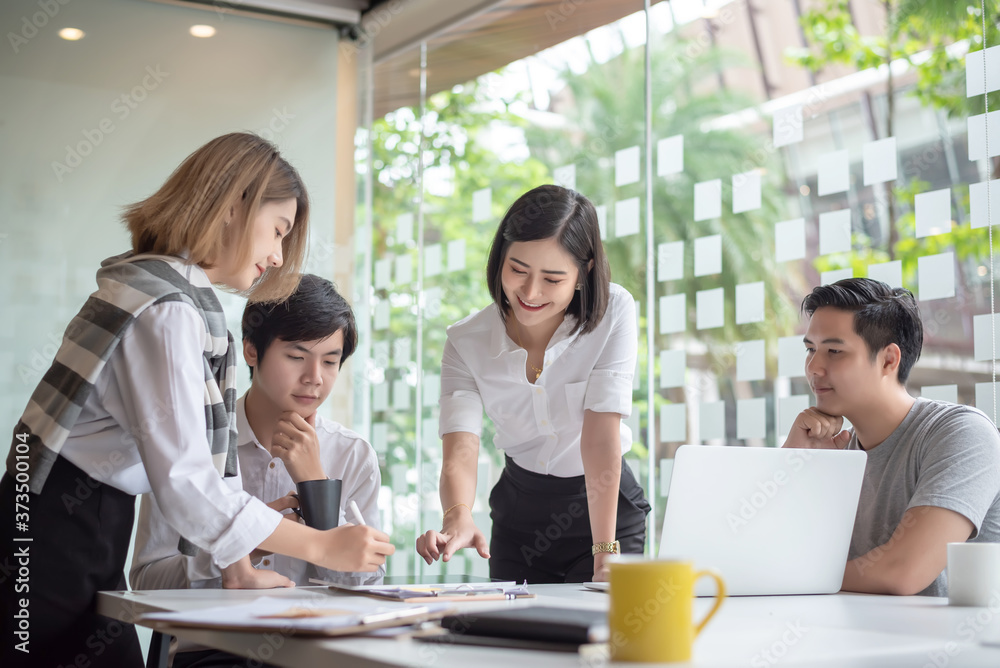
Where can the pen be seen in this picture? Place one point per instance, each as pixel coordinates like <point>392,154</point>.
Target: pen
<point>357,513</point>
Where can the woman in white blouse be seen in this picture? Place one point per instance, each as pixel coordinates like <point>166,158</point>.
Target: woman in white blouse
<point>551,361</point>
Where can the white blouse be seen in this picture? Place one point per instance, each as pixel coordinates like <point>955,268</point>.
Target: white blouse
<point>143,429</point>
<point>344,455</point>
<point>539,425</point>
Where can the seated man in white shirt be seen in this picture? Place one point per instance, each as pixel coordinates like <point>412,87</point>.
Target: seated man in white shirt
<point>933,470</point>
<point>295,350</point>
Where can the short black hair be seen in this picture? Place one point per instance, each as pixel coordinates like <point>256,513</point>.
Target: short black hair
<point>314,311</point>
<point>882,315</point>
<point>548,212</point>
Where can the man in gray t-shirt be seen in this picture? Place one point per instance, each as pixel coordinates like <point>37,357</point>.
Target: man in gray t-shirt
<point>941,455</point>
<point>933,470</point>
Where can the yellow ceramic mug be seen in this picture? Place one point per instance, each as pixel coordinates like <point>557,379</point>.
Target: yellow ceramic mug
<point>650,617</point>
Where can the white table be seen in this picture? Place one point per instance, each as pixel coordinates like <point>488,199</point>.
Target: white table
<point>841,630</point>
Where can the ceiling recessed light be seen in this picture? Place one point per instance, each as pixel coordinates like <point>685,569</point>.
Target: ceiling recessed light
<point>202,31</point>
<point>71,34</point>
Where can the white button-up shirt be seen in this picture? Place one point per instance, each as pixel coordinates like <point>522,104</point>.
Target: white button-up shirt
<point>539,425</point>
<point>142,429</point>
<point>344,455</point>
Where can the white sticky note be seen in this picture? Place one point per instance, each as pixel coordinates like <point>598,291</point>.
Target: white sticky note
<point>746,191</point>
<point>627,166</point>
<point>666,470</point>
<point>670,155</point>
<point>985,400</point>
<point>936,276</point>
<point>400,395</point>
<point>750,360</point>
<point>482,201</point>
<point>432,389</point>
<point>672,366</point>
<point>456,255</point>
<point>627,217</point>
<point>835,232</point>
<point>710,308</point>
<point>751,418</point>
<point>565,176</point>
<point>979,208</point>
<point>673,313</point>
<point>789,409</point>
<point>380,436</point>
<point>833,173</point>
<point>879,161</point>
<point>381,318</point>
<point>787,126</point>
<point>712,420</point>
<point>432,302</point>
<point>977,135</point>
<point>429,436</point>
<point>749,303</point>
<point>940,393</point>
<point>402,351</point>
<point>670,261</point>
<point>380,397</point>
<point>383,273</point>
<point>673,423</point>
<point>890,273</point>
<point>933,212</point>
<point>986,336</point>
<point>790,240</point>
<point>632,422</point>
<point>380,354</point>
<point>708,255</point>
<point>834,275</point>
<point>791,357</point>
<point>432,260</point>
<point>404,269</point>
<point>982,74</point>
<point>404,228</point>
<point>708,199</point>
<point>400,485</point>
<point>602,220</point>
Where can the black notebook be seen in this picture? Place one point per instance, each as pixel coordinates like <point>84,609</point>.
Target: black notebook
<point>536,623</point>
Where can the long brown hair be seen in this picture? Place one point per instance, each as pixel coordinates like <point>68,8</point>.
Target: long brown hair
<point>237,172</point>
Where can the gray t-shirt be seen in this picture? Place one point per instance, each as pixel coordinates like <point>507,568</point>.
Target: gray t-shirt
<point>942,454</point>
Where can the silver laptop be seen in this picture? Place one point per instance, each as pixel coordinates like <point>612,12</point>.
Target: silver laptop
<point>770,520</point>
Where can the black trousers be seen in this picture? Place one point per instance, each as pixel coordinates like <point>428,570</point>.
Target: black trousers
<point>80,531</point>
<point>541,525</point>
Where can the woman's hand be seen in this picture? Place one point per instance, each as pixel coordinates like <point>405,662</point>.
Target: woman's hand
<point>353,548</point>
<point>602,571</point>
<point>459,531</point>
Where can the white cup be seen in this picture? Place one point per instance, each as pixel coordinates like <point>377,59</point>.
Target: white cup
<point>974,574</point>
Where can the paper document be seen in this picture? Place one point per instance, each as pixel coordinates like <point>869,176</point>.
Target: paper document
<point>312,616</point>
<point>466,591</point>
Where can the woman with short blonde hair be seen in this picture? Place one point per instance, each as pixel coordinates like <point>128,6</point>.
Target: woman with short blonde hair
<point>141,398</point>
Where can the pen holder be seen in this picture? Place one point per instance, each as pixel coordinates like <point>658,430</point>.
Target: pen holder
<point>319,501</point>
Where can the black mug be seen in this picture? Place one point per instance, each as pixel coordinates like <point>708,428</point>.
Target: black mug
<point>319,503</point>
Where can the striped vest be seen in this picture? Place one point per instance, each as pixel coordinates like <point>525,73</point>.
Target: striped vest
<point>127,285</point>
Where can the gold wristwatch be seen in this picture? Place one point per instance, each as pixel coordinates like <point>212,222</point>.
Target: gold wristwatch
<point>614,547</point>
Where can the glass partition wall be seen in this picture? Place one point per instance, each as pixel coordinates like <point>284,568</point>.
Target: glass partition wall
<point>739,153</point>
